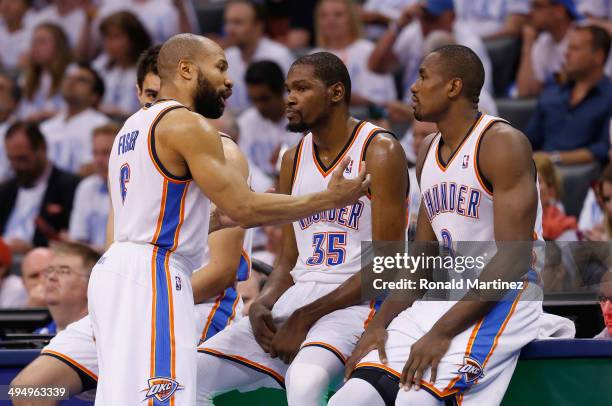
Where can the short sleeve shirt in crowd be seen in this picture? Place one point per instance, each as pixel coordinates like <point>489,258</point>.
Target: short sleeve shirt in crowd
<point>19,41</point>
<point>408,49</point>
<point>69,141</point>
<point>266,50</point>
<point>548,56</point>
<point>12,292</point>
<point>377,88</point>
<point>90,211</point>
<point>487,17</point>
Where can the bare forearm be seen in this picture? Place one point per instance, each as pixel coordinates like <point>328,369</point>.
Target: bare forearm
<point>382,57</point>
<point>527,83</point>
<point>575,157</point>
<point>279,281</point>
<point>211,281</point>
<point>269,208</point>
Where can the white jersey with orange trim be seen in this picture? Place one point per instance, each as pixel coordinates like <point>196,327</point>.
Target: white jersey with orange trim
<point>329,243</point>
<point>150,205</point>
<point>457,200</point>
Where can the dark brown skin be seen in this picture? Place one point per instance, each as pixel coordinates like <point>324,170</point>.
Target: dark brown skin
<point>386,163</point>
<point>505,160</point>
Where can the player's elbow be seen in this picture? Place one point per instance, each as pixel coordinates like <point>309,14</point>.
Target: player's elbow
<point>245,214</point>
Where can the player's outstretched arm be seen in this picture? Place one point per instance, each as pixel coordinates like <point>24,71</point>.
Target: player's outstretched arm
<point>198,144</point>
<point>280,279</point>
<point>224,246</point>
<point>505,160</point>
<point>387,166</point>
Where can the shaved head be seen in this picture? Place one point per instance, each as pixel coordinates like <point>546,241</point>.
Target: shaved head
<point>193,69</point>
<point>180,47</point>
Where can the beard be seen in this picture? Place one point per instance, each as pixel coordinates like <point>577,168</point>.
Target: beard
<point>299,127</point>
<point>206,100</point>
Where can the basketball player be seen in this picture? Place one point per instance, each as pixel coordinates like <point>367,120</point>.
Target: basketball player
<point>303,325</point>
<point>478,183</point>
<point>70,360</point>
<point>166,165</point>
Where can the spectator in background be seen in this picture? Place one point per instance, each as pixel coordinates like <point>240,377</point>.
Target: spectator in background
<point>545,39</point>
<point>69,133</point>
<point>16,30</point>
<point>147,77</point>
<point>91,201</point>
<point>124,39</point>
<point>572,121</point>
<point>262,128</point>
<point>9,99</point>
<point>33,266</point>
<point>402,46</point>
<point>244,25</point>
<point>48,60</point>
<point>338,31</point>
<point>603,230</point>
<point>12,291</point>
<point>599,12</point>
<point>68,14</point>
<point>493,18</point>
<point>605,302</point>
<point>555,223</point>
<point>376,15</point>
<point>65,283</point>
<point>36,203</point>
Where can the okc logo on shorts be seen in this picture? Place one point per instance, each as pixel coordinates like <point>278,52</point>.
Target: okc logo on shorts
<point>161,388</point>
<point>471,370</point>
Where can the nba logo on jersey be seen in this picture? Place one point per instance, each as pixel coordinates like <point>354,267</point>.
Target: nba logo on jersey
<point>178,283</point>
<point>161,388</point>
<point>471,370</point>
<point>466,160</point>
<point>349,167</point>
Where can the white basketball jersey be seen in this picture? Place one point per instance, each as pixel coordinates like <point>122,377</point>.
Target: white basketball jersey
<point>329,243</point>
<point>150,205</point>
<point>457,201</point>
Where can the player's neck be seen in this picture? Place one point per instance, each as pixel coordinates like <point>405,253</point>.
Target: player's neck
<point>327,136</point>
<point>171,92</point>
<point>455,125</point>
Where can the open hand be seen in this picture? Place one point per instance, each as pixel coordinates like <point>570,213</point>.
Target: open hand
<point>426,352</point>
<point>375,337</point>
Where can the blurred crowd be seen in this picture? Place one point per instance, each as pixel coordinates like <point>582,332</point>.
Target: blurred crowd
<point>70,74</point>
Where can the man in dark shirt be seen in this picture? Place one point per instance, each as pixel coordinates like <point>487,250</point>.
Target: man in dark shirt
<point>572,121</point>
<point>35,204</point>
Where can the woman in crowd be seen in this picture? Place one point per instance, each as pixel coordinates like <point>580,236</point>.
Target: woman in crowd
<point>124,38</point>
<point>338,30</point>
<point>48,60</point>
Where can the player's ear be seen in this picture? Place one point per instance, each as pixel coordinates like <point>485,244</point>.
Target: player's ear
<point>337,92</point>
<point>454,88</point>
<point>186,69</point>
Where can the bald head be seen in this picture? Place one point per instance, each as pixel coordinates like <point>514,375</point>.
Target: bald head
<point>184,47</point>
<point>33,265</point>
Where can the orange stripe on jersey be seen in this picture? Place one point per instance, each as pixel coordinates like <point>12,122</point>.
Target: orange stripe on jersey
<point>151,151</point>
<point>298,157</point>
<point>484,187</point>
<point>231,317</point>
<point>327,346</point>
<point>160,219</point>
<point>72,362</point>
<point>212,314</point>
<point>338,159</point>
<point>263,368</point>
<point>371,315</point>
<point>454,154</point>
<point>154,294</point>
<point>503,326</point>
<point>181,218</point>
<point>171,317</point>
<point>379,366</point>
